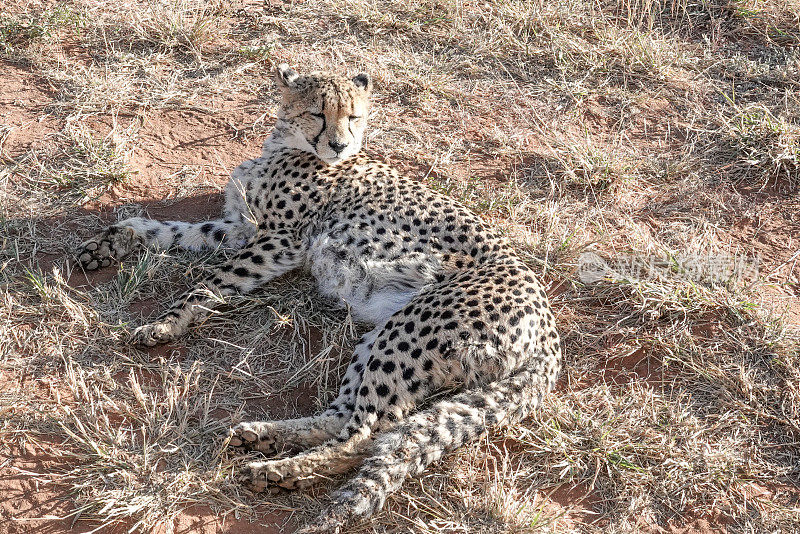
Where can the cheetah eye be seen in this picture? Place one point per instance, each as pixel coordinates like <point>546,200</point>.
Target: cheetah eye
<point>354,117</point>
<point>318,115</point>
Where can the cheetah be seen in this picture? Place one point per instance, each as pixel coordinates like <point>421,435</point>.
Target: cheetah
<point>464,337</point>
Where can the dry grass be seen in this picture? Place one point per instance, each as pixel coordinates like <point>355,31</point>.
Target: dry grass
<point>649,129</point>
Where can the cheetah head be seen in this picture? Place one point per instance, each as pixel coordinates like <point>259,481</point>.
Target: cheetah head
<point>323,114</point>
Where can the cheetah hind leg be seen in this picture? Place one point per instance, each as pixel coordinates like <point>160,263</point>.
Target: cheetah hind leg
<point>274,437</point>
<point>407,449</point>
<point>113,244</point>
<point>333,457</point>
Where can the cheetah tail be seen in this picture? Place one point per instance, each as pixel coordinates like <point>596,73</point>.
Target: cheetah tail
<point>426,436</point>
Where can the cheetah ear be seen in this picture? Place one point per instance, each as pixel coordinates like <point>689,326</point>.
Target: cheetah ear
<point>363,81</point>
<point>286,76</point>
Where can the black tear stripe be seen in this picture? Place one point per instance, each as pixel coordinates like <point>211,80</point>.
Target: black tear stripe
<point>324,125</point>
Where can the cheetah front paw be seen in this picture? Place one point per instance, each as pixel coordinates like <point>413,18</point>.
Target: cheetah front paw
<point>114,243</point>
<point>153,334</point>
<point>256,436</point>
<point>276,475</point>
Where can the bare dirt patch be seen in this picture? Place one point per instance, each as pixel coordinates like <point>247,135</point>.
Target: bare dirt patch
<point>24,115</point>
<point>32,500</point>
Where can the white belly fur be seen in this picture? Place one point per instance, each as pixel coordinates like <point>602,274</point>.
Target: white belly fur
<point>373,289</point>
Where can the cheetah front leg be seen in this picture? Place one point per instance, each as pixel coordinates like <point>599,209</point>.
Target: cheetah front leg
<point>258,262</point>
<point>125,237</point>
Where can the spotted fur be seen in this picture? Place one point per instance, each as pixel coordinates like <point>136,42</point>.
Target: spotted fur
<point>454,308</point>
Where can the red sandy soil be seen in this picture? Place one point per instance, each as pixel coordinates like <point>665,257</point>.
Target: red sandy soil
<point>33,500</point>
<point>22,106</point>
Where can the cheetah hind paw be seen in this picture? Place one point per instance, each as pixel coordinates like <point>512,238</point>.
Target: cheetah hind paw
<point>114,243</point>
<point>256,436</point>
<point>289,474</point>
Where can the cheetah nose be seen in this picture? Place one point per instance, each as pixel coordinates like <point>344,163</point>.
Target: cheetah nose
<point>337,147</point>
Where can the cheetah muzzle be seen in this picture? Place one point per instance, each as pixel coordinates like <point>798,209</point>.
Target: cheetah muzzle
<point>453,307</point>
